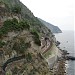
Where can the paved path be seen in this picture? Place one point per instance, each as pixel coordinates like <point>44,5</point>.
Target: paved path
<point>11,60</point>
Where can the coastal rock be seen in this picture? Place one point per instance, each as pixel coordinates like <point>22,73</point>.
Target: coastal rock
<point>57,43</point>
<point>70,58</point>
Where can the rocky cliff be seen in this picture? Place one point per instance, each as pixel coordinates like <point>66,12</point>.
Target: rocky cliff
<point>21,41</point>
<point>24,41</point>
<point>53,28</point>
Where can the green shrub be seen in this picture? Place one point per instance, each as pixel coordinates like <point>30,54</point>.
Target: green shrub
<point>14,20</point>
<point>15,70</point>
<point>7,25</point>
<point>2,44</point>
<point>35,33</point>
<point>10,25</point>
<point>29,57</point>
<point>16,46</point>
<point>37,41</point>
<point>24,25</point>
<point>1,33</point>
<point>21,47</point>
<point>32,72</point>
<point>36,37</point>
<point>16,9</point>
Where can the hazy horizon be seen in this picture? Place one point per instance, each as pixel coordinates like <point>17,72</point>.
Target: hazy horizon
<point>57,12</point>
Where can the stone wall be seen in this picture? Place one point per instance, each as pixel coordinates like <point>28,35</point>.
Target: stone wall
<point>55,54</point>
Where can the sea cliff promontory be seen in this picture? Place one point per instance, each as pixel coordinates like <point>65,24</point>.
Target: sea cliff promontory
<point>53,28</point>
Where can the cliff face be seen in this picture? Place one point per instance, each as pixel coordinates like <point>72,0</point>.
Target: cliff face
<point>21,40</point>
<point>53,28</point>
<point>27,15</point>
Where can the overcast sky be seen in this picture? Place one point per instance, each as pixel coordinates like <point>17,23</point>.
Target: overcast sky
<point>58,12</point>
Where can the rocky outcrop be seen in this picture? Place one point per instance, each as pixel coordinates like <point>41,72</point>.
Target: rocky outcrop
<point>70,58</point>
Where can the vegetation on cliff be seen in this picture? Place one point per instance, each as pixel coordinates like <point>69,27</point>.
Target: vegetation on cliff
<point>36,37</point>
<point>10,25</point>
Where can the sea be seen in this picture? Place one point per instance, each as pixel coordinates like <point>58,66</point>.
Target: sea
<point>66,38</point>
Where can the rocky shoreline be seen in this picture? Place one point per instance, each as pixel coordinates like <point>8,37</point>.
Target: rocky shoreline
<point>59,68</point>
<point>61,63</point>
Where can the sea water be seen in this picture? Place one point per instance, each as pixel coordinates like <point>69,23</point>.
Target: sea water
<point>67,41</point>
